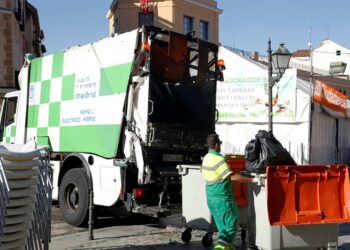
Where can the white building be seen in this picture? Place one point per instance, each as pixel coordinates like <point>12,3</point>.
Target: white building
<point>327,52</point>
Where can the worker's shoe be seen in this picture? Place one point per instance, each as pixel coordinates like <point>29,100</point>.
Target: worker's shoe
<point>223,246</point>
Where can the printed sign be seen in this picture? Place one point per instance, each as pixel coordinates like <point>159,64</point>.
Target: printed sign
<point>245,98</point>
<point>87,86</point>
<point>76,96</point>
<point>329,97</point>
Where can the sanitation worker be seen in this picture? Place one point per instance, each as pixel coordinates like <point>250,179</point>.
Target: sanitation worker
<point>220,196</point>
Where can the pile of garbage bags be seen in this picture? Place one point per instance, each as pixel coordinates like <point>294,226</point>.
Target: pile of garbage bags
<point>265,150</point>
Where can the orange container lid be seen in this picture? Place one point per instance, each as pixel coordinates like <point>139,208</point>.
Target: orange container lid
<point>234,157</point>
<point>308,194</point>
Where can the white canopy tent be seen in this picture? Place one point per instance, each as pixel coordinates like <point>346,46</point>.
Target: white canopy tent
<point>242,106</point>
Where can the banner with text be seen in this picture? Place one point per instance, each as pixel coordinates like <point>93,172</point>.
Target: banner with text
<point>245,98</point>
<point>330,97</point>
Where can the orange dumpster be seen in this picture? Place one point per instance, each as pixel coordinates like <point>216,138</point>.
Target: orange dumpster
<point>237,164</point>
<point>308,194</point>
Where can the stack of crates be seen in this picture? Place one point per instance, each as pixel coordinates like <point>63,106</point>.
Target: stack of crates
<point>26,213</point>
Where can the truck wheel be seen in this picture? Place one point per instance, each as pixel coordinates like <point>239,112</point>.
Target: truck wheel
<point>207,239</point>
<point>186,235</point>
<point>243,235</point>
<point>74,197</point>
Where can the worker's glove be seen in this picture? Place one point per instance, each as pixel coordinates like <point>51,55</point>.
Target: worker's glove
<point>255,180</point>
<point>258,180</point>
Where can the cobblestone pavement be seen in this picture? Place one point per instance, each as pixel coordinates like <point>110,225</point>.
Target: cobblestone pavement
<point>142,235</point>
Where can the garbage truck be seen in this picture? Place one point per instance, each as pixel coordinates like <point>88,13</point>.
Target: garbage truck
<point>117,117</point>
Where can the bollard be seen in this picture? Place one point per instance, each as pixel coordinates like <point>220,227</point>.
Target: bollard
<point>91,215</point>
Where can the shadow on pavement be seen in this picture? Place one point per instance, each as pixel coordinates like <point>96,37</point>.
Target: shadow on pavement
<point>170,246</point>
<point>195,245</point>
<point>345,246</point>
<point>103,222</point>
<point>344,229</point>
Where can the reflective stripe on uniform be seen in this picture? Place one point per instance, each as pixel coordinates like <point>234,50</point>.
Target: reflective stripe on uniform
<point>222,175</point>
<point>214,168</point>
<point>213,182</point>
<point>225,173</point>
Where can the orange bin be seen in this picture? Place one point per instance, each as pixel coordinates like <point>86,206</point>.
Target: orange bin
<point>237,164</point>
<point>309,194</point>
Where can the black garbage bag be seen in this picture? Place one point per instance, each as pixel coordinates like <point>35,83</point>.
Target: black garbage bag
<point>265,150</point>
<point>252,150</point>
<point>252,156</point>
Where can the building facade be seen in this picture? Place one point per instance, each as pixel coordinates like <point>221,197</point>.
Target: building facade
<point>327,53</point>
<point>20,33</point>
<point>331,52</point>
<point>183,16</point>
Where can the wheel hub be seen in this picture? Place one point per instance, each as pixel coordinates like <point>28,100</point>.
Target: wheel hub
<point>72,198</point>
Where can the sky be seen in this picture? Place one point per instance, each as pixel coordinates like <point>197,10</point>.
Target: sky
<point>244,24</point>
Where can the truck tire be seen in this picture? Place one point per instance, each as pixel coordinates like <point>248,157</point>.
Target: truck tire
<point>207,239</point>
<point>186,235</point>
<point>74,197</point>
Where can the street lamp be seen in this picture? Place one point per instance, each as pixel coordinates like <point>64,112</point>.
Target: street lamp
<point>278,63</point>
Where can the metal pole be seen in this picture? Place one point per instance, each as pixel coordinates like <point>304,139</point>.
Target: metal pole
<point>269,52</point>
<point>311,89</point>
<point>91,214</point>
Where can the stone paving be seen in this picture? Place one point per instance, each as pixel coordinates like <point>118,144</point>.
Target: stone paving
<point>163,235</point>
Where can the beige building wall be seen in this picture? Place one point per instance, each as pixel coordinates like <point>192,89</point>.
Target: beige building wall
<point>18,30</point>
<point>164,14</point>
<point>196,10</point>
<point>124,15</point>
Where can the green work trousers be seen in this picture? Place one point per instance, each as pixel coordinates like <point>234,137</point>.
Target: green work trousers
<point>225,213</point>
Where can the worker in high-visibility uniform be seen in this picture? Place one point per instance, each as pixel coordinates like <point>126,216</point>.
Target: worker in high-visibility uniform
<point>220,196</point>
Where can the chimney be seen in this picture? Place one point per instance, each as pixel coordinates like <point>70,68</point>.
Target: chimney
<point>255,56</point>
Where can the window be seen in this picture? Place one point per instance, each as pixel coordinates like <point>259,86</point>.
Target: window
<point>10,114</point>
<point>116,24</point>
<point>338,52</point>
<point>146,19</point>
<point>204,30</point>
<point>188,24</point>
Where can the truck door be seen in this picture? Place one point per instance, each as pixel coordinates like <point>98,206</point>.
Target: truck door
<point>8,120</point>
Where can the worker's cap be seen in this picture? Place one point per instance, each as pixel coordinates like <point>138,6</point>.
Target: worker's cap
<point>212,140</point>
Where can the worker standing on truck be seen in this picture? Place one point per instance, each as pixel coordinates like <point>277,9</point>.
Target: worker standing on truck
<point>220,196</point>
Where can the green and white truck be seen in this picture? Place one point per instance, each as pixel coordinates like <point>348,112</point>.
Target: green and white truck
<point>118,116</point>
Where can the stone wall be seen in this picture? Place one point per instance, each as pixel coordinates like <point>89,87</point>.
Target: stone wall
<point>14,41</point>
<point>6,50</point>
